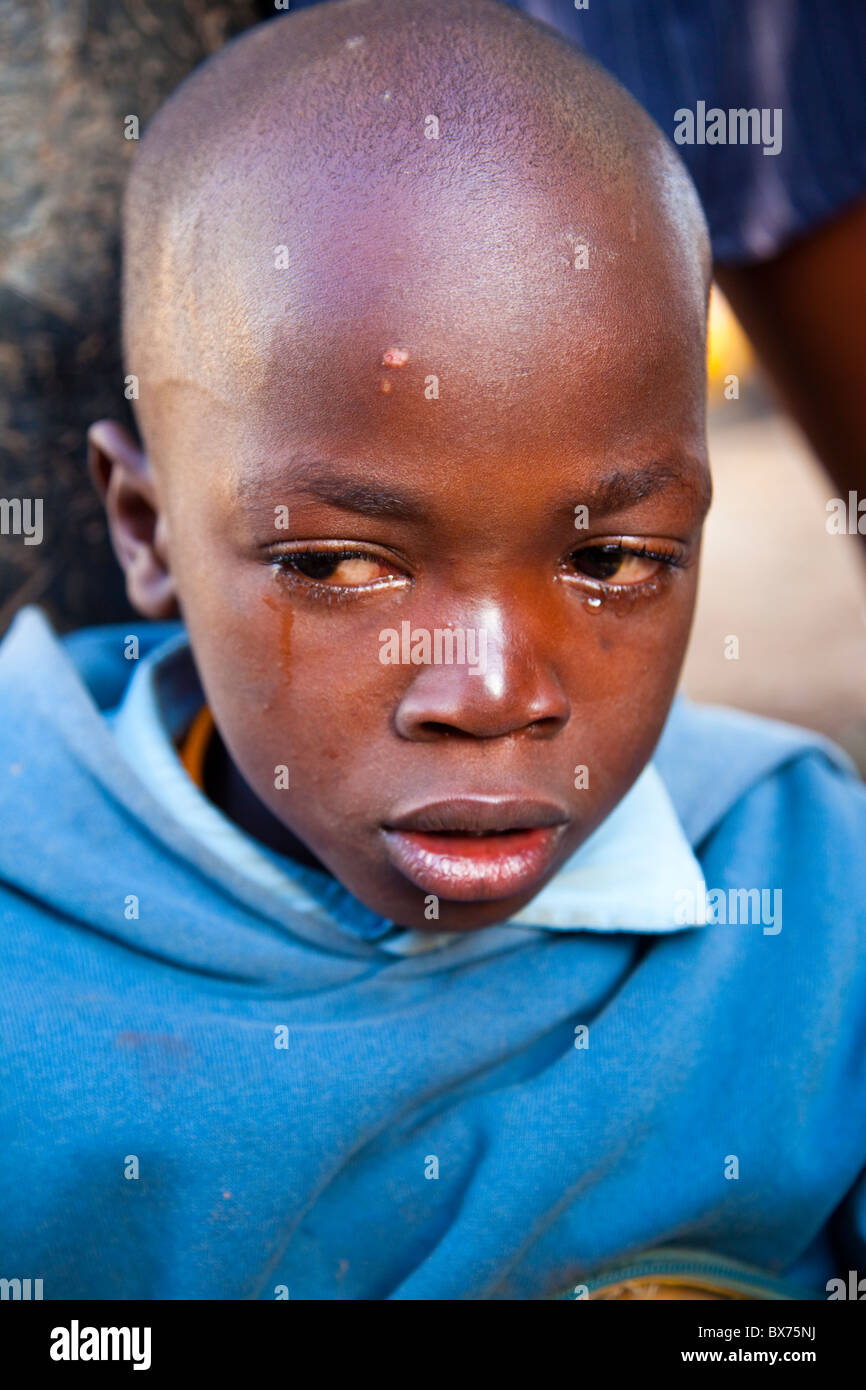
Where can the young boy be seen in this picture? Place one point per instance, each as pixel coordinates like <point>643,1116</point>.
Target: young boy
<point>378,931</point>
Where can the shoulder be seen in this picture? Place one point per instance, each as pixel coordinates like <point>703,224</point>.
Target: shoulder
<point>716,762</point>
<point>774,810</point>
<point>97,661</point>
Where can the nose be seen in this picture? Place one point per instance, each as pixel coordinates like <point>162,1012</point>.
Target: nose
<point>514,690</point>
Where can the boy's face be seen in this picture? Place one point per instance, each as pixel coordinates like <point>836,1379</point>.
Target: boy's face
<point>432,440</point>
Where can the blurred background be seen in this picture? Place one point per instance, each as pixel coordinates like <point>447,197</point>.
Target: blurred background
<point>789,239</point>
<point>792,593</point>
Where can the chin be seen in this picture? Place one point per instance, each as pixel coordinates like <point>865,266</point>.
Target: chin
<point>460,917</point>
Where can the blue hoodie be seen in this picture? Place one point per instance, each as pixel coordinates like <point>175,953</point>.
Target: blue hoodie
<point>203,1097</point>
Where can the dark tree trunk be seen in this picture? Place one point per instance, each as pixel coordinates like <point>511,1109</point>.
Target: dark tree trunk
<point>72,72</point>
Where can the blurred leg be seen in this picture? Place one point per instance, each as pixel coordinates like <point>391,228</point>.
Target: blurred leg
<point>805,312</point>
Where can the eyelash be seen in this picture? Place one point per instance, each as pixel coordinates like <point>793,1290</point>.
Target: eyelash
<point>328,593</point>
<point>645,588</point>
<point>335,594</point>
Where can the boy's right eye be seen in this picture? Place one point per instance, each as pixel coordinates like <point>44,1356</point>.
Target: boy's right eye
<point>339,568</point>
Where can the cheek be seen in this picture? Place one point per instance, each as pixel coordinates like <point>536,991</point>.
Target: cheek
<point>290,687</point>
<point>622,672</point>
<point>301,686</point>
<point>631,645</point>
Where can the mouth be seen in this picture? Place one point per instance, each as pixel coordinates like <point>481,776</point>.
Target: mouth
<point>475,849</point>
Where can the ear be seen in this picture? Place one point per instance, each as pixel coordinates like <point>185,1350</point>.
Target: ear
<point>122,477</point>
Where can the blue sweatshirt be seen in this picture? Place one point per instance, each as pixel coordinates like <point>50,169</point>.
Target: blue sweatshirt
<point>206,1094</point>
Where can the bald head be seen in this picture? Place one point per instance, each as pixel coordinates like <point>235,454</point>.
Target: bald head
<point>428,169</point>
<point>416,299</point>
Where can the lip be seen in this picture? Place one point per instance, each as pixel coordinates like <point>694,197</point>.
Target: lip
<point>475,849</point>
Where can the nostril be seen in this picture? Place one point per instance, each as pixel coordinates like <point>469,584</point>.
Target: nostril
<point>551,724</point>
<point>436,729</point>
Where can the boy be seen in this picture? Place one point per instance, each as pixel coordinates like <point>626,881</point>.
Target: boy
<point>356,933</point>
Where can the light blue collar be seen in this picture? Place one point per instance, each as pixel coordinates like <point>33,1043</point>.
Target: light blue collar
<point>629,874</point>
<point>626,877</point>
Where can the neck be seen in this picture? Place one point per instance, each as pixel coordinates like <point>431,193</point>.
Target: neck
<point>225,786</point>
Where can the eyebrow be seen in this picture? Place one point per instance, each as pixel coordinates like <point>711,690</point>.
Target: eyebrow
<point>364,497</point>
<point>345,491</point>
<point>616,491</point>
<point>612,492</point>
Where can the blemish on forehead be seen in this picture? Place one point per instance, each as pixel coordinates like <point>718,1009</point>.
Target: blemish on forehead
<point>355,41</point>
<point>392,357</point>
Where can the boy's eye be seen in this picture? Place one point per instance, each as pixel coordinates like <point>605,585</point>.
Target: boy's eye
<point>343,569</point>
<point>620,563</point>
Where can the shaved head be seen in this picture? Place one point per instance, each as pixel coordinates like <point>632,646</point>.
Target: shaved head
<point>416,299</point>
<point>447,168</point>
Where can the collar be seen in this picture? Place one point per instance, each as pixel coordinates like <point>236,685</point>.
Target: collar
<point>625,877</point>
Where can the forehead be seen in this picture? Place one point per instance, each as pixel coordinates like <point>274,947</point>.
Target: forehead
<point>425,334</point>
<point>283,267</point>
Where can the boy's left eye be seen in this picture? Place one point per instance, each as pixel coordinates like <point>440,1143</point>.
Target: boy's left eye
<point>622,564</point>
